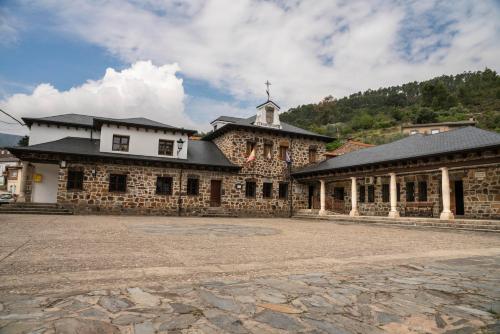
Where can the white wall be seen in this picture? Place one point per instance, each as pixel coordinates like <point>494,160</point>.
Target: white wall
<point>45,191</point>
<point>141,142</point>
<point>42,133</point>
<point>218,124</point>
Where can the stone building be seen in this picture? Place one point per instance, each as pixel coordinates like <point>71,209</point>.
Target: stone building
<point>434,128</point>
<point>347,147</point>
<point>448,174</point>
<point>139,166</point>
<point>256,166</point>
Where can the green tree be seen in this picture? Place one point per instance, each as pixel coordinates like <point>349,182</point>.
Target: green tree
<point>23,141</point>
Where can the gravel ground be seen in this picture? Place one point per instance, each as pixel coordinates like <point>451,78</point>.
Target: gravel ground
<point>54,253</point>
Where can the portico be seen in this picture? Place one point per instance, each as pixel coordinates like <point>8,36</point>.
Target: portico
<point>390,180</point>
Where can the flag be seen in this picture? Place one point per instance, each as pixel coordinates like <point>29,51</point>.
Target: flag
<point>288,157</point>
<point>269,155</point>
<point>251,157</point>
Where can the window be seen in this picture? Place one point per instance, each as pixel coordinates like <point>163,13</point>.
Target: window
<point>385,193</point>
<point>269,115</point>
<point>250,189</point>
<point>422,191</point>
<point>75,180</point>
<point>398,192</point>
<point>312,155</point>
<point>164,185</point>
<point>267,190</point>
<point>193,186</point>
<point>371,194</point>
<point>166,147</point>
<point>283,150</point>
<point>118,182</point>
<point>268,151</point>
<point>362,194</point>
<point>120,143</point>
<point>13,174</point>
<point>410,192</point>
<point>283,190</point>
<point>250,147</point>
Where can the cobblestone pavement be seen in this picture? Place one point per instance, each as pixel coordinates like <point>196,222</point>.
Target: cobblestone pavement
<point>447,296</point>
<point>85,274</point>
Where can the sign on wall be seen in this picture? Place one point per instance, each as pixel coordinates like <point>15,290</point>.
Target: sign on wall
<point>37,178</point>
<point>480,175</point>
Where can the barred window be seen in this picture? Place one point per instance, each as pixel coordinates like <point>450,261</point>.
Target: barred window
<point>75,180</point>
<point>422,191</point>
<point>362,194</point>
<point>283,190</point>
<point>120,143</point>
<point>250,187</point>
<point>117,182</point>
<point>385,193</point>
<point>166,147</point>
<point>164,185</point>
<point>193,186</point>
<point>410,191</point>
<point>267,190</point>
<point>371,194</point>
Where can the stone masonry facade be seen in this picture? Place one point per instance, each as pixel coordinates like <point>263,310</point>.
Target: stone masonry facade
<point>481,193</point>
<point>140,196</point>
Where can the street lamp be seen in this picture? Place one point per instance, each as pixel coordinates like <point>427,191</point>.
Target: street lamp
<point>180,143</point>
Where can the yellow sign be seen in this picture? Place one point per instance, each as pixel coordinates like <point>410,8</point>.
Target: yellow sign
<point>37,178</point>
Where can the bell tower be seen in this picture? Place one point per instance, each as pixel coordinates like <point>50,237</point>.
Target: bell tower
<point>268,112</point>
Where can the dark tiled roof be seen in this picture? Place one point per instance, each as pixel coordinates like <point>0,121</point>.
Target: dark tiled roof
<point>73,119</point>
<point>92,121</point>
<point>235,122</point>
<point>200,153</point>
<point>416,146</point>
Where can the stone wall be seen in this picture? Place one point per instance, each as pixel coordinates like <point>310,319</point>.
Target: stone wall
<point>481,187</point>
<point>141,198</point>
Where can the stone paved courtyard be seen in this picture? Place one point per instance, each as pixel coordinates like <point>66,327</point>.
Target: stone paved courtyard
<point>92,274</point>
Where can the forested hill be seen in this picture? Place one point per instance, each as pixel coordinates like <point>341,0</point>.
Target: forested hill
<point>375,115</point>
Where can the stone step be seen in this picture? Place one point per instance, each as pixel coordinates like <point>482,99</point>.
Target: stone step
<point>36,212</point>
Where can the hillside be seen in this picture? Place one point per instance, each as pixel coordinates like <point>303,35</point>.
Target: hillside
<point>9,140</point>
<point>375,116</point>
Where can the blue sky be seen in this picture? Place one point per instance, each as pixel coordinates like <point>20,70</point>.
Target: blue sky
<point>189,61</point>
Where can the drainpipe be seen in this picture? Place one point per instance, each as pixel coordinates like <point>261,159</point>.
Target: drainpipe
<point>179,201</point>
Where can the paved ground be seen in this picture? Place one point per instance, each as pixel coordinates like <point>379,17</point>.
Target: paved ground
<point>147,274</point>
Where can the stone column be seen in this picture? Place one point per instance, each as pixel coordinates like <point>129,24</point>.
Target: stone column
<point>322,195</point>
<point>22,185</point>
<point>354,198</point>
<point>445,191</point>
<point>393,195</point>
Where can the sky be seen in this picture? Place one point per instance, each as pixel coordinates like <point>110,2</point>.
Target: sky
<point>185,63</point>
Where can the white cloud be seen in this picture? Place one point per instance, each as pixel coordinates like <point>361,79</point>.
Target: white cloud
<point>308,49</point>
<point>8,28</point>
<point>143,90</point>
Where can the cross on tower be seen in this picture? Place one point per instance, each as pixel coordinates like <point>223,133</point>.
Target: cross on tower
<point>267,83</point>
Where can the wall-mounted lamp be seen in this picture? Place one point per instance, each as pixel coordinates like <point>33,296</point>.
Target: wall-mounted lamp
<point>63,164</point>
<point>180,143</point>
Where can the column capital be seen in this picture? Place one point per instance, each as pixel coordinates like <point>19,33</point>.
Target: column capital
<point>443,168</point>
<point>391,174</point>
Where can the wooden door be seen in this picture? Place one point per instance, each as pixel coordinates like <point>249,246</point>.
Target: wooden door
<point>215,193</point>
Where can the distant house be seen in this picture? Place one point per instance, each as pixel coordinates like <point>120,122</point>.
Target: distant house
<point>347,147</point>
<point>433,128</point>
<point>9,172</point>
